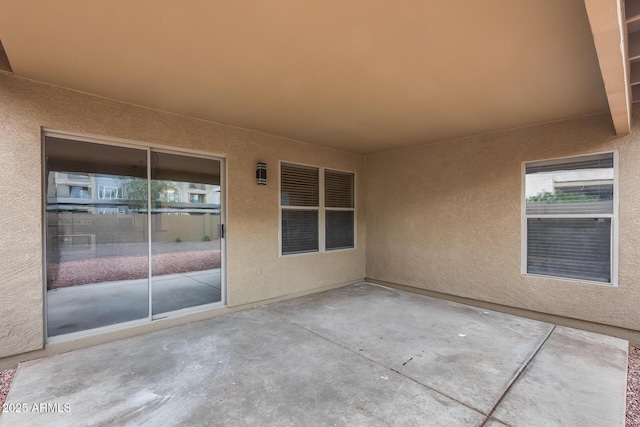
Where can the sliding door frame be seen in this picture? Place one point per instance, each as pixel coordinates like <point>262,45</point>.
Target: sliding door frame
<point>149,148</point>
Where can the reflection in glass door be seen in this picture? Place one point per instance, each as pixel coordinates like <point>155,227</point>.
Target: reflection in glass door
<point>97,244</point>
<point>102,245</point>
<point>185,231</point>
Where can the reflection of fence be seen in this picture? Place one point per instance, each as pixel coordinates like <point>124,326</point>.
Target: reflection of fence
<point>76,243</point>
<point>71,204</point>
<point>184,227</point>
<point>130,228</point>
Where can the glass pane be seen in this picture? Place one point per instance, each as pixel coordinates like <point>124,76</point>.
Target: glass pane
<point>97,246</point>
<point>339,229</point>
<point>583,186</point>
<point>573,248</point>
<point>338,189</point>
<point>185,232</point>
<point>299,231</point>
<point>299,186</point>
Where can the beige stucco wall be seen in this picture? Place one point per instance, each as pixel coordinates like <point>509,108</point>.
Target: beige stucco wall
<point>446,217</point>
<point>255,272</point>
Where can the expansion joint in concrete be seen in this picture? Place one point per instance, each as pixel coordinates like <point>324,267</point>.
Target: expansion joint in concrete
<point>518,374</point>
<point>359,353</point>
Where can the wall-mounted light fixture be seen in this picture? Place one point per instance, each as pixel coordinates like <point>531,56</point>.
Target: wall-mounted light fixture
<point>261,173</point>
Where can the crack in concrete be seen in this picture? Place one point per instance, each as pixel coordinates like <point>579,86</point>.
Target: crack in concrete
<point>410,359</point>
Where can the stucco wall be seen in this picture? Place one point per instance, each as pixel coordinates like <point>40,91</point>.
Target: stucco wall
<point>255,272</point>
<point>446,217</point>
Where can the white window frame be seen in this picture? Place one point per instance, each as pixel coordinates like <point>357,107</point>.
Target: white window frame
<point>614,218</point>
<point>321,211</point>
<point>110,190</point>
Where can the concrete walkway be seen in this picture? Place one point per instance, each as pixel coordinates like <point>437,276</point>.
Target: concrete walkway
<point>83,307</point>
<point>360,355</point>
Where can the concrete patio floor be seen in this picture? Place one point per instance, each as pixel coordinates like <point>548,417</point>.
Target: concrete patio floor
<point>359,355</point>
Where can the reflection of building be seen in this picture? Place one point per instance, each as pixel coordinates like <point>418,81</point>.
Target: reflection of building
<point>71,185</point>
<point>189,192</point>
<point>589,182</point>
<point>101,193</point>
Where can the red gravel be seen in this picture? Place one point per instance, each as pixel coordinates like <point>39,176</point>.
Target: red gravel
<point>71,273</point>
<point>633,388</point>
<point>5,382</point>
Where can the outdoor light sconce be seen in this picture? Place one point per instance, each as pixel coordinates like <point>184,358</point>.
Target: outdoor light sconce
<point>261,173</point>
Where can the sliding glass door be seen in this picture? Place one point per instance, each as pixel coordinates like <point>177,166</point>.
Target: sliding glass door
<point>185,237</point>
<point>108,261</point>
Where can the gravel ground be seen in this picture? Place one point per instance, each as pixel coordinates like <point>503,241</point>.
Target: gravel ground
<point>5,381</point>
<point>633,387</point>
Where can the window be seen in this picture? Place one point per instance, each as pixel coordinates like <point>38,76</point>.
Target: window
<point>570,218</point>
<point>78,192</point>
<point>317,209</point>
<point>196,198</point>
<point>171,194</point>
<point>110,192</point>
<point>339,215</point>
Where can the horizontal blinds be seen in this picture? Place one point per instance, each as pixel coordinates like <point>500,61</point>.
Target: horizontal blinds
<point>595,207</point>
<point>339,229</point>
<point>299,231</point>
<point>572,248</point>
<point>299,185</point>
<point>338,189</point>
<point>599,161</point>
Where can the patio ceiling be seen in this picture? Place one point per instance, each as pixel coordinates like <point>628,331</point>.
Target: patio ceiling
<point>358,75</point>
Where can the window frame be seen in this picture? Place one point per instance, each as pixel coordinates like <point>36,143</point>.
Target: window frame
<point>613,259</point>
<point>321,208</point>
<point>103,190</point>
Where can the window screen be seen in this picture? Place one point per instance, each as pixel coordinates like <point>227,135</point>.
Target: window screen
<point>339,229</point>
<point>572,248</point>
<point>299,231</point>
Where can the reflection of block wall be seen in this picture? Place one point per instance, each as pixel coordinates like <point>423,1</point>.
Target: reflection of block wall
<point>131,228</point>
<point>185,227</point>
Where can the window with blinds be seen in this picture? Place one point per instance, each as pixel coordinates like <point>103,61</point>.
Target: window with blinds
<point>300,201</point>
<point>339,215</point>
<point>570,214</point>
<point>317,209</point>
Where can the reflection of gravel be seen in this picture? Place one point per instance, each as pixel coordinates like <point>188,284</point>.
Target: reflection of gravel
<point>71,273</point>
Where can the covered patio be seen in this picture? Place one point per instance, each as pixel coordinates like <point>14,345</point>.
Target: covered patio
<point>357,355</point>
